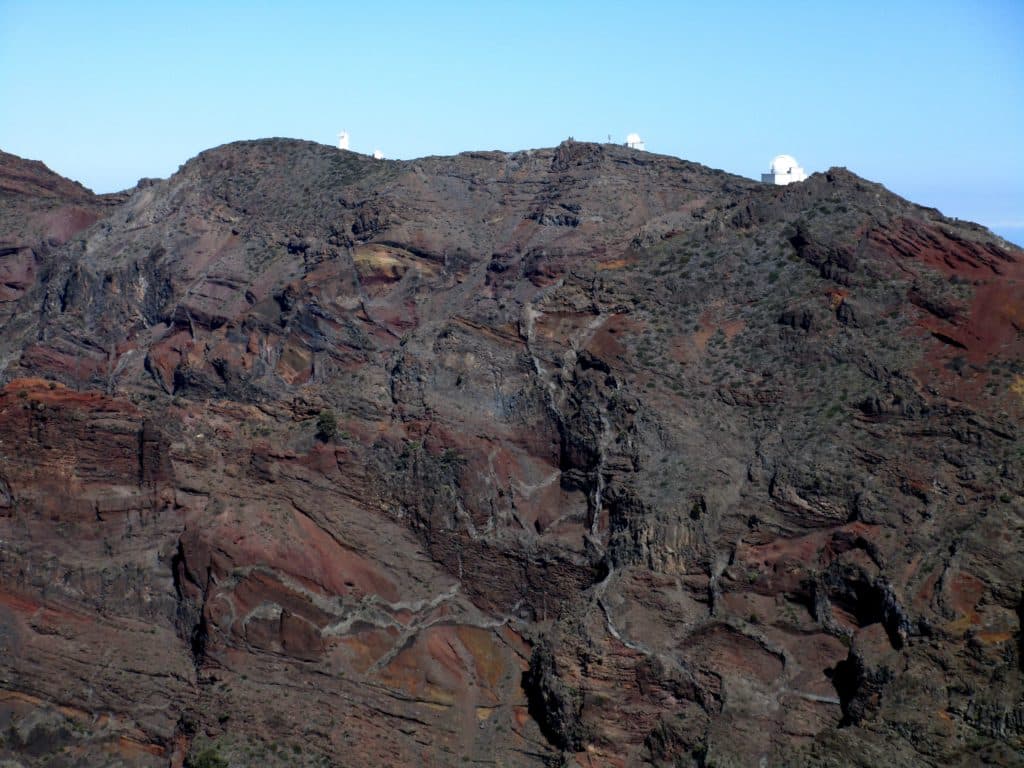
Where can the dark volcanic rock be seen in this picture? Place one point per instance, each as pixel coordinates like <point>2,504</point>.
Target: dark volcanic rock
<point>630,462</point>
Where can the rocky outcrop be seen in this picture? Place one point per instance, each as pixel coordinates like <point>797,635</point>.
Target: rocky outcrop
<point>630,462</point>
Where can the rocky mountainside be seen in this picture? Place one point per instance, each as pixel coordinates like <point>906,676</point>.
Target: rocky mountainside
<point>578,456</point>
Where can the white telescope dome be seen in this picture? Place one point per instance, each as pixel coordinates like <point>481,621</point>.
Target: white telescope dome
<point>633,141</point>
<point>784,164</point>
<point>785,170</point>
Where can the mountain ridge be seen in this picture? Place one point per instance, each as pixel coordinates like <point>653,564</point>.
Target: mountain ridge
<point>540,457</point>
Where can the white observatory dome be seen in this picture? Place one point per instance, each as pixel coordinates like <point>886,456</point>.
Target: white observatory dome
<point>784,164</point>
<point>633,141</point>
<point>785,170</point>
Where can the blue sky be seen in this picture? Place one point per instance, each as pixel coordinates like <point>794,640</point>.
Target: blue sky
<point>925,97</point>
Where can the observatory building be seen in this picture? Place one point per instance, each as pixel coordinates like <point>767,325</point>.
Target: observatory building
<point>785,170</point>
<point>343,140</point>
<point>633,142</point>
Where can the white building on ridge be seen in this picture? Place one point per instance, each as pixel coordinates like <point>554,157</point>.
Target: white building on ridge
<point>378,155</point>
<point>785,170</point>
<point>633,141</point>
<point>343,140</point>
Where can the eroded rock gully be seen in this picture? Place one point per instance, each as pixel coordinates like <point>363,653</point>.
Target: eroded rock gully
<point>578,456</point>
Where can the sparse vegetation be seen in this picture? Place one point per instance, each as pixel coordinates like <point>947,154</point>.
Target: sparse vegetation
<point>206,758</point>
<point>326,425</point>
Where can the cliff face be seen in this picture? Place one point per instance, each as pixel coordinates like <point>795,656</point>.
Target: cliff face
<point>579,454</point>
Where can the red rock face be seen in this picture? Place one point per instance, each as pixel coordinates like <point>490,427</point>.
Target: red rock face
<point>577,455</point>
<point>975,333</point>
<point>86,474</point>
<point>38,210</point>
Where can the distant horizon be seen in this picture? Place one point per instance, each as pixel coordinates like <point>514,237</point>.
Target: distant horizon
<point>1014,235</point>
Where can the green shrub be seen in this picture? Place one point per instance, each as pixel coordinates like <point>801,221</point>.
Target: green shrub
<point>208,758</point>
<point>326,425</point>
